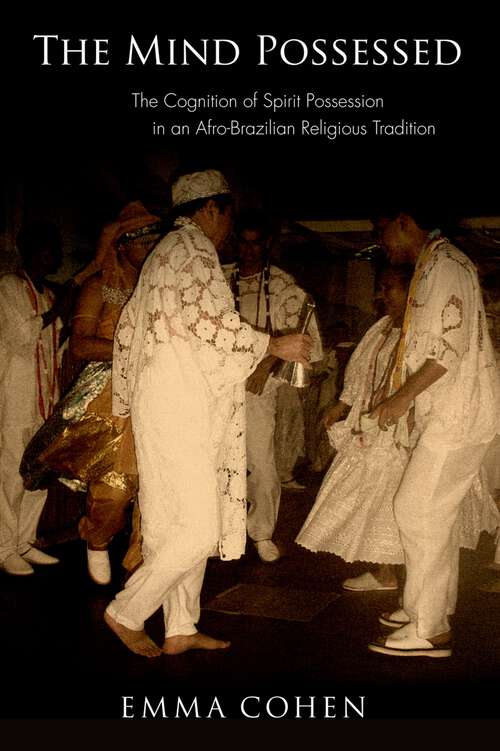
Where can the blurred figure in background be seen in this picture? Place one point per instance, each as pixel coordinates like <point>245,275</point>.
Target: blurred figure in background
<point>29,367</point>
<point>83,444</point>
<point>270,301</point>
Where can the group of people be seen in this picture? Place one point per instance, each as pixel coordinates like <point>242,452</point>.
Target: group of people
<point>177,403</point>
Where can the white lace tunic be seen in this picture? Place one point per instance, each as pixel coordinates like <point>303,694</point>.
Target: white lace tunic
<point>181,356</point>
<point>448,324</point>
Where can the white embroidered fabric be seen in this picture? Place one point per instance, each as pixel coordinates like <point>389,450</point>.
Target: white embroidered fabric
<point>448,324</point>
<point>20,331</point>
<point>285,305</point>
<point>181,348</point>
<point>353,514</point>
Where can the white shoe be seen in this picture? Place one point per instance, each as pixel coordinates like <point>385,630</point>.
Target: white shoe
<point>292,485</point>
<point>99,566</point>
<point>366,583</point>
<point>16,566</point>
<point>396,619</point>
<point>267,550</point>
<point>405,643</point>
<point>33,555</point>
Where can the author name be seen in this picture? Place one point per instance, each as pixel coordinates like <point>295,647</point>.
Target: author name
<point>249,707</point>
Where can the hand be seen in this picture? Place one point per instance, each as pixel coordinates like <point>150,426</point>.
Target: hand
<point>292,348</point>
<point>378,396</point>
<point>256,382</point>
<point>334,414</point>
<point>390,410</point>
<point>63,304</point>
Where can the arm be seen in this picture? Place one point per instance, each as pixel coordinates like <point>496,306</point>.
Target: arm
<point>335,413</point>
<point>390,410</point>
<point>228,348</point>
<point>84,343</point>
<point>292,347</point>
<point>443,338</point>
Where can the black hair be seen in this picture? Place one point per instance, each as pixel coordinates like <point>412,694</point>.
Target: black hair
<point>426,217</point>
<point>255,220</point>
<point>221,200</point>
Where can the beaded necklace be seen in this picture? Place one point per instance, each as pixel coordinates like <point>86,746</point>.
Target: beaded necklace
<point>264,279</point>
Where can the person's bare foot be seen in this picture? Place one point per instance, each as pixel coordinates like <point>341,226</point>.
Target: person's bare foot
<point>137,641</point>
<point>175,645</point>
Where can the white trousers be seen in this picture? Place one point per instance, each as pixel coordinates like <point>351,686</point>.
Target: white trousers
<point>426,508</point>
<point>289,431</point>
<point>180,527</point>
<point>263,483</point>
<point>20,509</point>
<point>492,466</point>
<point>180,601</point>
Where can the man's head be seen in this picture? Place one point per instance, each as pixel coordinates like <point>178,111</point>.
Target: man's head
<point>39,244</point>
<point>402,231</point>
<point>205,197</point>
<point>252,234</point>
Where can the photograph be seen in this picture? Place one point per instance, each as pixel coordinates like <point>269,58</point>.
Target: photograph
<point>249,369</point>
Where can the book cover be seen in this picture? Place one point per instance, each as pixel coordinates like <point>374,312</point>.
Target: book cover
<point>317,119</point>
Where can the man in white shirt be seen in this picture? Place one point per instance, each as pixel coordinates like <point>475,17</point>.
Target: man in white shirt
<point>269,300</point>
<point>445,401</point>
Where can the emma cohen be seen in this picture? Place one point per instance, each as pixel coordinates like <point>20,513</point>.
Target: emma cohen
<point>248,707</point>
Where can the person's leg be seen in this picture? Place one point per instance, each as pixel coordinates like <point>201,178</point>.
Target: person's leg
<point>29,515</point>
<point>426,507</point>
<point>20,510</point>
<point>289,443</point>
<point>133,557</point>
<point>182,612</point>
<point>263,484</point>
<point>108,500</point>
<point>180,527</point>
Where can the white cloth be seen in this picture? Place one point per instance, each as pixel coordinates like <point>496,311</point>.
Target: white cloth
<point>286,299</point>
<point>448,324</point>
<point>456,418</point>
<point>353,514</point>
<point>289,432</point>
<point>427,508</point>
<point>181,356</point>
<point>28,389</point>
<point>264,488</point>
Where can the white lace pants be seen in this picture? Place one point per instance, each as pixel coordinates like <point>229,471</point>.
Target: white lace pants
<point>426,508</point>
<point>263,483</point>
<point>20,509</point>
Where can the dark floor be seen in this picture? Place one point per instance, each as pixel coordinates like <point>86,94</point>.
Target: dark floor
<point>61,661</point>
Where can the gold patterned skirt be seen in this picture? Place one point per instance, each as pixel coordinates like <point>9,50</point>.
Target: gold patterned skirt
<point>82,442</point>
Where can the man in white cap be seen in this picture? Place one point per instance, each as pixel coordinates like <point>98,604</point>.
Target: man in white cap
<point>181,358</point>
